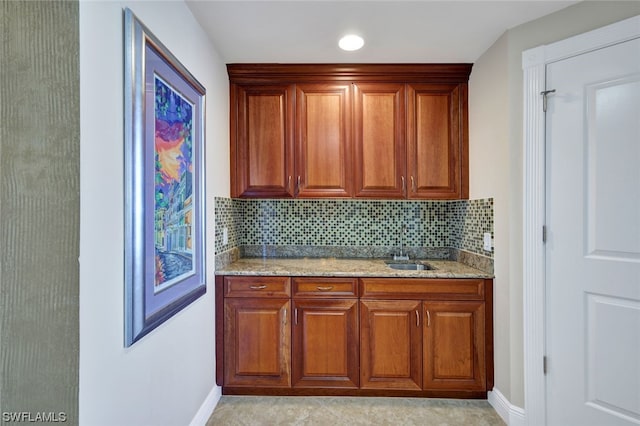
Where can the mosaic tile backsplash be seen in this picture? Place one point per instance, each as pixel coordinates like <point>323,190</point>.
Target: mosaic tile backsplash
<point>351,223</point>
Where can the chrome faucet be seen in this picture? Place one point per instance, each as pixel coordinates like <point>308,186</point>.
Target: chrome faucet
<point>401,255</point>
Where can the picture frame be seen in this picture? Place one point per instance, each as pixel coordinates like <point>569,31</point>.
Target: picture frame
<point>164,249</point>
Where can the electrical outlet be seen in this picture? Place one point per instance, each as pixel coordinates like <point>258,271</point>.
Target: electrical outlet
<point>225,236</point>
<point>487,241</point>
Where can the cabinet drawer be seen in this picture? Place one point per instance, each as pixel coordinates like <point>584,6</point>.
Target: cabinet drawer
<point>422,288</point>
<point>323,287</point>
<point>257,287</point>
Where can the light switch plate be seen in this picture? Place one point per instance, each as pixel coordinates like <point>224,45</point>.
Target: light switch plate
<point>487,241</point>
<point>225,236</point>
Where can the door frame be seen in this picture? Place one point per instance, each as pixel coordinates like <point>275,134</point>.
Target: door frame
<point>534,63</point>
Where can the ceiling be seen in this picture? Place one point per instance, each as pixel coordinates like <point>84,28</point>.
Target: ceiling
<point>302,31</point>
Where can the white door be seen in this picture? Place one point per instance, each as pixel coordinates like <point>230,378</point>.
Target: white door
<point>593,238</point>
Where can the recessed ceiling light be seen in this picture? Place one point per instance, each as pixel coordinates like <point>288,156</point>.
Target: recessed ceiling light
<point>351,42</point>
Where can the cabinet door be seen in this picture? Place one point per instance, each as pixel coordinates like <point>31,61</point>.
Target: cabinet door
<point>437,160</point>
<point>379,129</point>
<point>262,141</point>
<point>391,344</point>
<point>323,140</point>
<point>325,343</point>
<point>454,349</point>
<point>257,342</point>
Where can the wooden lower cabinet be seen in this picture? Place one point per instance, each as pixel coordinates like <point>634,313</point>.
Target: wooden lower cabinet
<point>391,344</point>
<point>454,347</point>
<point>257,342</point>
<point>349,336</point>
<point>325,343</point>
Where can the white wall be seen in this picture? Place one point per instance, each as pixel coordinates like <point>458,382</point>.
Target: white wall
<point>489,122</point>
<point>488,153</point>
<point>164,378</point>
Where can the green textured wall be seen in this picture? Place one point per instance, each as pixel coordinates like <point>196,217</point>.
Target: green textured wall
<point>39,210</point>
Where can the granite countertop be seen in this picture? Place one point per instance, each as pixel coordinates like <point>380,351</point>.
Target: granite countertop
<point>339,267</point>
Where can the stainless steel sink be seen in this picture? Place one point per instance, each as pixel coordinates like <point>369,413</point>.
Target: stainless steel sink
<point>409,266</point>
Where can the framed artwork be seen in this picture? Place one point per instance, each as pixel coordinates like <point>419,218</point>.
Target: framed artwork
<point>164,183</point>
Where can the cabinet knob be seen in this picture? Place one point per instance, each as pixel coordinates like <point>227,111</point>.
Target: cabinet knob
<point>428,318</point>
<point>413,184</point>
<point>258,287</point>
<point>403,185</point>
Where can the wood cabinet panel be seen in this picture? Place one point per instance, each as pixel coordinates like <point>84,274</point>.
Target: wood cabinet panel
<point>249,286</point>
<point>422,288</point>
<point>454,349</point>
<point>323,142</point>
<point>257,342</point>
<point>262,140</point>
<point>379,116</point>
<point>325,343</point>
<point>436,141</point>
<point>325,287</point>
<point>391,344</point>
<point>433,142</point>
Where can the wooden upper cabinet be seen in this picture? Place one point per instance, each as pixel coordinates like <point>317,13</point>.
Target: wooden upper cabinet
<point>323,140</point>
<point>262,161</point>
<point>349,130</point>
<point>437,145</point>
<point>379,134</point>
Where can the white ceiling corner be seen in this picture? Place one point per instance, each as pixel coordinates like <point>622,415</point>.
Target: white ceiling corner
<point>301,31</point>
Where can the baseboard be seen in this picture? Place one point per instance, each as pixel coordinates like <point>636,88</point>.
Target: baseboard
<point>511,414</point>
<point>207,407</point>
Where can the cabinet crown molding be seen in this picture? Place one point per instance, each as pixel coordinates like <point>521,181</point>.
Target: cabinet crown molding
<point>294,73</point>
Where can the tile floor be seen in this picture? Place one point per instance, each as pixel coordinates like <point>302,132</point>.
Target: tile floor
<point>351,411</point>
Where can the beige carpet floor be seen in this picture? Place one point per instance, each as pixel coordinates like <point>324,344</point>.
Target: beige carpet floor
<point>351,411</point>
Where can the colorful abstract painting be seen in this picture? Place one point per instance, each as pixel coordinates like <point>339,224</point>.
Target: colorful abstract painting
<point>164,202</point>
<point>173,185</point>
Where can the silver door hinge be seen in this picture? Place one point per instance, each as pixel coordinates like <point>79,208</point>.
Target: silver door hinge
<point>544,234</point>
<point>544,364</point>
<point>544,94</point>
